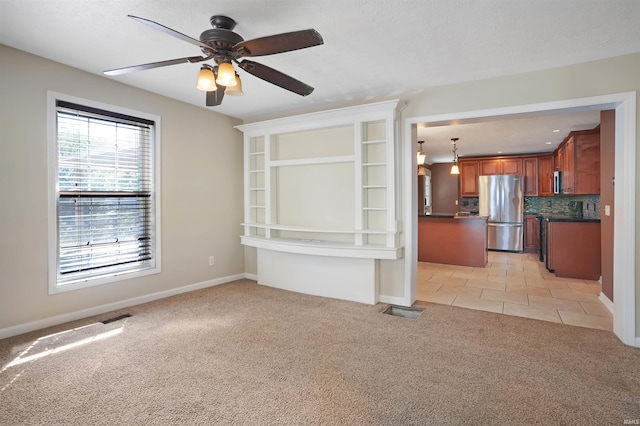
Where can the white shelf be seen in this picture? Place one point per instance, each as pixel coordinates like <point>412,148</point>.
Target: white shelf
<point>374,186</point>
<point>322,248</point>
<point>373,164</point>
<point>251,154</point>
<point>256,171</point>
<point>317,230</point>
<point>374,142</point>
<point>315,160</point>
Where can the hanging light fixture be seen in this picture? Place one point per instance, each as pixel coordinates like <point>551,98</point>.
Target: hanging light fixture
<point>455,170</point>
<point>420,158</point>
<point>235,90</point>
<point>206,79</point>
<point>226,75</point>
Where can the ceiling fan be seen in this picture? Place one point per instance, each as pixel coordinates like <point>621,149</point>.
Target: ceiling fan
<point>224,46</point>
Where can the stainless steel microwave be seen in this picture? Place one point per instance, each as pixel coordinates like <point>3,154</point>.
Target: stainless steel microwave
<point>557,182</point>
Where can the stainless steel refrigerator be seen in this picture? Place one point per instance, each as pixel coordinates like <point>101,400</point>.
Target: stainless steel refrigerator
<point>501,199</point>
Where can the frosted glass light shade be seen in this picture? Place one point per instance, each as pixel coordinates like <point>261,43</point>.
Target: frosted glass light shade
<point>421,158</point>
<point>455,170</point>
<point>235,90</point>
<point>226,75</point>
<point>206,80</point>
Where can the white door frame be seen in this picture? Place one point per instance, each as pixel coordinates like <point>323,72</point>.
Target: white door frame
<point>624,269</point>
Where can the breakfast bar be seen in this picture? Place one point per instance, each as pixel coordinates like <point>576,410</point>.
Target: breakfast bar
<point>453,239</point>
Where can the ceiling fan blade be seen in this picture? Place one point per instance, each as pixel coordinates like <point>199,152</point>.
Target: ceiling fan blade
<point>171,32</point>
<point>151,65</point>
<point>215,98</point>
<point>279,43</point>
<point>276,77</point>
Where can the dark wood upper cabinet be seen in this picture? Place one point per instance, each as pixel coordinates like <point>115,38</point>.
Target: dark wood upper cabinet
<point>469,172</point>
<point>500,166</point>
<point>545,175</point>
<point>587,164</point>
<point>578,158</point>
<point>511,166</point>
<point>489,167</point>
<point>530,168</point>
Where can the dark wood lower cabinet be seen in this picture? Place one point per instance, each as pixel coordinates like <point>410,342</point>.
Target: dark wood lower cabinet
<point>573,249</point>
<point>531,234</point>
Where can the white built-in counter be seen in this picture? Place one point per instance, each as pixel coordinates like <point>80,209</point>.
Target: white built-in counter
<point>320,201</point>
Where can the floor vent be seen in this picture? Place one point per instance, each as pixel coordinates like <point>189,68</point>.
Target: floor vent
<point>401,311</point>
<point>118,318</point>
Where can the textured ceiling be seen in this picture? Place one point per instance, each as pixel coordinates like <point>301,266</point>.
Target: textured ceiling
<point>374,49</point>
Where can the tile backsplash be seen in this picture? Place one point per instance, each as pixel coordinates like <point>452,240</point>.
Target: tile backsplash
<point>557,205</point>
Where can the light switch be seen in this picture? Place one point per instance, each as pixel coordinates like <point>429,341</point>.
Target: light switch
<point>607,210</point>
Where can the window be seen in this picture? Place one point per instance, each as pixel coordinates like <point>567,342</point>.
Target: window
<point>105,194</point>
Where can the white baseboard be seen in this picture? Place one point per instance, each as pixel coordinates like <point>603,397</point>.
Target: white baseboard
<point>606,302</point>
<point>72,316</point>
<point>399,301</point>
<point>253,277</point>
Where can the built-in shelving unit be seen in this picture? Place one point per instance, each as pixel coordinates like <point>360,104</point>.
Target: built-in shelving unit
<point>325,180</point>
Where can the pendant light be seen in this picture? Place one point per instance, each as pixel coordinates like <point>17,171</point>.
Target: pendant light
<point>420,159</point>
<point>455,170</point>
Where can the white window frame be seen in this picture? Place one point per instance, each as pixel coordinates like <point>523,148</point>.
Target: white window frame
<point>52,145</point>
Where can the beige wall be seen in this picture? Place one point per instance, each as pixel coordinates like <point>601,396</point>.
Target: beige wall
<point>201,174</point>
<point>444,189</point>
<point>201,190</point>
<point>615,75</point>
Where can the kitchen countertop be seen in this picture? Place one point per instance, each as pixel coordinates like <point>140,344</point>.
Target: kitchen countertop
<point>452,216</point>
<point>565,218</point>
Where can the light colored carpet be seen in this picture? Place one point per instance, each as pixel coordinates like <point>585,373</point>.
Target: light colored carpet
<point>240,353</point>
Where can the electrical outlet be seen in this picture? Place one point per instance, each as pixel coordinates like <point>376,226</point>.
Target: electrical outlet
<point>607,210</point>
<point>212,260</point>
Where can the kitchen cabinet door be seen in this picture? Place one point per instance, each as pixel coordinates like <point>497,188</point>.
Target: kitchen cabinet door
<point>511,166</point>
<point>545,175</point>
<point>531,234</point>
<point>574,249</point>
<point>469,178</point>
<point>587,164</point>
<point>530,168</point>
<point>568,164</point>
<point>490,167</point>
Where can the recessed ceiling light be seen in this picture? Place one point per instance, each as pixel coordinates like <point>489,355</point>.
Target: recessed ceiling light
<point>499,152</point>
<point>556,130</point>
<point>548,143</point>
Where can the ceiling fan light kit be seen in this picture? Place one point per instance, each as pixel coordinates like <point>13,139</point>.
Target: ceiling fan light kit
<point>206,79</point>
<point>235,90</point>
<point>224,46</point>
<point>226,75</point>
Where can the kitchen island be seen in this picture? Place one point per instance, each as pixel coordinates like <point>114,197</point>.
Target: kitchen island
<point>453,239</point>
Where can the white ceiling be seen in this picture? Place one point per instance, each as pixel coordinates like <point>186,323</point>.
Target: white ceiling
<point>374,49</point>
<point>503,136</point>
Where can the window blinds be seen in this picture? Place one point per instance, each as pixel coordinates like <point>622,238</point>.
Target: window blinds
<point>105,192</point>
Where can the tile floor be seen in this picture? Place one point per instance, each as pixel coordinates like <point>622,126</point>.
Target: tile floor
<point>515,284</point>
